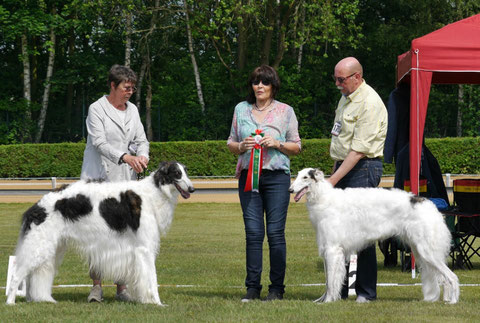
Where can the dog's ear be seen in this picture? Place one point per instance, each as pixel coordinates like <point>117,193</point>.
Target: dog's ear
<point>311,173</point>
<point>161,175</point>
<point>315,174</point>
<point>164,166</point>
<point>319,175</point>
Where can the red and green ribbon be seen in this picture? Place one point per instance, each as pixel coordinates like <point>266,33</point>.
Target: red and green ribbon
<point>256,163</point>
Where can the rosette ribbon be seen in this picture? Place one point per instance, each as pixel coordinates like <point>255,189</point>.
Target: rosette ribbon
<point>255,165</point>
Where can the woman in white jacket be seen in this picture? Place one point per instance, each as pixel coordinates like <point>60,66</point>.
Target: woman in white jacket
<point>117,148</point>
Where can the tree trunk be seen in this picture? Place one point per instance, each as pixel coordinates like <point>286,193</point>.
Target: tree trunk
<point>70,88</point>
<point>145,70</point>
<point>128,40</point>
<point>242,42</point>
<point>194,61</point>
<point>148,100</point>
<point>148,108</point>
<point>281,46</point>
<point>300,49</point>
<point>296,19</point>
<point>46,91</point>
<point>27,86</point>
<point>141,76</point>
<point>267,42</point>
<point>27,90</point>
<point>459,111</point>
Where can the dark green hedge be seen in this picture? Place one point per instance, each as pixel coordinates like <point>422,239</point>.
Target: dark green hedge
<point>41,160</point>
<point>212,158</point>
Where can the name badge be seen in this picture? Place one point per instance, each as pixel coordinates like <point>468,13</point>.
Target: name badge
<point>337,127</point>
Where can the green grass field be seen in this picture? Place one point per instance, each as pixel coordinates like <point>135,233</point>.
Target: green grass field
<point>201,273</point>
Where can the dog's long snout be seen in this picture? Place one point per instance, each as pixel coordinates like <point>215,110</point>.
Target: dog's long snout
<point>290,189</point>
<point>191,189</point>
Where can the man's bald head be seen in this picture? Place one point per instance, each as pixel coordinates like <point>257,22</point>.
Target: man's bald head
<point>350,65</point>
<point>348,75</point>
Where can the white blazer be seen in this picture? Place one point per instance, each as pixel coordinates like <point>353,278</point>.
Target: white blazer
<point>109,138</point>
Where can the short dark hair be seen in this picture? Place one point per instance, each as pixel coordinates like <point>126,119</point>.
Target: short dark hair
<point>263,73</point>
<point>119,74</point>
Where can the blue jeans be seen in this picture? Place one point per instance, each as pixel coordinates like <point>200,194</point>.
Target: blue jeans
<point>366,173</point>
<point>272,200</point>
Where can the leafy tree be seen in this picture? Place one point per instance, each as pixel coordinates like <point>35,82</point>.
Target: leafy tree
<point>303,39</point>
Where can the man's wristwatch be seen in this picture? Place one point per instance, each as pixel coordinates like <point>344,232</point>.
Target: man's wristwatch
<point>282,144</point>
<point>121,161</point>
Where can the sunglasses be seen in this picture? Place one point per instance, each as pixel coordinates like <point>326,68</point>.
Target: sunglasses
<point>342,79</point>
<point>264,82</point>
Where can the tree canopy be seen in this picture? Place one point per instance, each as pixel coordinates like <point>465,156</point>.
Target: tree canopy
<point>193,59</point>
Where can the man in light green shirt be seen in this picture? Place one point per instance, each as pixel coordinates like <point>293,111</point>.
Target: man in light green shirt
<point>358,137</point>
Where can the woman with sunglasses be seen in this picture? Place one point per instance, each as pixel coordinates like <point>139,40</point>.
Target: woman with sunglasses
<point>264,134</point>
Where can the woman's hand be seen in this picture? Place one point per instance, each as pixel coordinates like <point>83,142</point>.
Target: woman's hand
<point>269,142</point>
<point>247,143</point>
<point>138,163</point>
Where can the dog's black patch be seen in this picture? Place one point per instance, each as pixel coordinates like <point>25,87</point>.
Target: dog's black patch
<point>35,214</point>
<point>61,188</point>
<point>167,173</point>
<point>312,174</point>
<point>416,199</point>
<point>123,214</point>
<point>74,207</point>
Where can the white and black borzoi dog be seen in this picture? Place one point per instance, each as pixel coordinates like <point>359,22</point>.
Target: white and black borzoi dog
<point>346,221</point>
<point>116,226</point>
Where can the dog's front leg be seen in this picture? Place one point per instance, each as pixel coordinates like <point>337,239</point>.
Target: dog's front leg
<point>146,285</point>
<point>335,274</point>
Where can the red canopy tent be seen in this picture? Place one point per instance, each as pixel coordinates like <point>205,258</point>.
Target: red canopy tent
<point>450,55</point>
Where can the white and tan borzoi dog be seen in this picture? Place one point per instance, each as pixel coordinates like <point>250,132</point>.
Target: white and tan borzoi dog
<point>116,226</point>
<point>346,221</point>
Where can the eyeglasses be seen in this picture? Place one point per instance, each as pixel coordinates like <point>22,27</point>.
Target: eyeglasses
<point>264,82</point>
<point>133,89</point>
<point>342,79</point>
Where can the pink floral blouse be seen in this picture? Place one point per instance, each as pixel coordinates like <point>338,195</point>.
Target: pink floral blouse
<point>280,123</point>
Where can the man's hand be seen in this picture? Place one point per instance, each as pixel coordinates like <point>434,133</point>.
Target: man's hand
<point>352,159</point>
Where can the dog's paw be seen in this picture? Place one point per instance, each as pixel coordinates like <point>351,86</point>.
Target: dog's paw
<point>321,299</point>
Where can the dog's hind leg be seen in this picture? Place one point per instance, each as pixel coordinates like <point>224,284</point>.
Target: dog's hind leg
<point>39,285</point>
<point>449,281</point>
<point>430,286</point>
<point>335,272</point>
<point>40,280</point>
<point>32,263</point>
<point>38,262</point>
<point>451,286</point>
<point>18,276</point>
<point>430,241</point>
<point>435,271</point>
<point>432,275</point>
